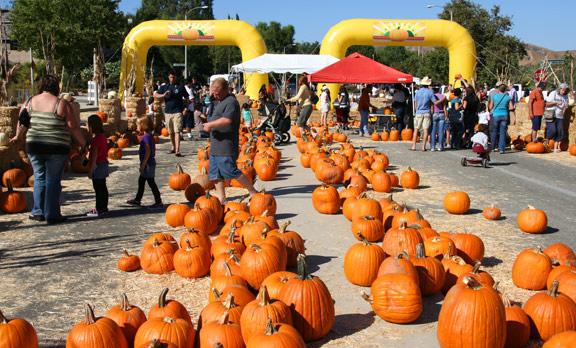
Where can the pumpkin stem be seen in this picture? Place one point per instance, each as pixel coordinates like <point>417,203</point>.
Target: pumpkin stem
<point>227,269</point>
<point>256,248</point>
<point>236,259</point>
<point>126,252</point>
<point>224,318</point>
<point>189,246</point>
<point>270,328</point>
<point>420,253</point>
<point>232,233</point>
<point>169,320</point>
<point>264,233</point>
<point>155,243</point>
<point>231,251</point>
<point>217,294</point>
<point>303,271</point>
<point>366,297</point>
<point>162,298</point>
<point>368,217</point>
<point>265,213</point>
<point>403,255</point>
<point>284,227</point>
<point>448,252</point>
<point>217,345</point>
<point>229,303</point>
<point>476,268</point>
<point>472,283</point>
<point>554,289</point>
<point>264,296</point>
<point>3,319</point>
<point>125,305</point>
<point>179,169</point>
<point>363,239</point>
<point>507,301</point>
<point>89,317</point>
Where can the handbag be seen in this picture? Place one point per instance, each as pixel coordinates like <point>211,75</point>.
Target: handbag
<point>24,116</point>
<point>549,115</point>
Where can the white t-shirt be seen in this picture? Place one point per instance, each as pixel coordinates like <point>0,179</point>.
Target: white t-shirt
<point>190,97</point>
<point>483,117</point>
<point>480,138</point>
<point>554,96</point>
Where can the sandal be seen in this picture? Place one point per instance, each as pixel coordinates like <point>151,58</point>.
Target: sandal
<point>170,152</point>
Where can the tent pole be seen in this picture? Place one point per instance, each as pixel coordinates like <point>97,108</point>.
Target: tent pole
<point>412,88</point>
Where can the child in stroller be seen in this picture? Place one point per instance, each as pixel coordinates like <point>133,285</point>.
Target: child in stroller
<point>276,121</point>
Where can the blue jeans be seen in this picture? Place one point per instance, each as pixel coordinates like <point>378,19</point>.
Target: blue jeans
<point>555,130</point>
<point>499,128</point>
<point>437,127</point>
<point>364,121</point>
<point>456,130</point>
<point>399,112</point>
<point>48,170</point>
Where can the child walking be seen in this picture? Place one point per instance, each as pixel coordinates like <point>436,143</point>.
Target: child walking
<point>247,116</point>
<point>147,153</point>
<point>98,165</point>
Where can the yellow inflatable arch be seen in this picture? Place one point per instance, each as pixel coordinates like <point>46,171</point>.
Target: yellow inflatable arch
<point>404,32</point>
<point>193,33</point>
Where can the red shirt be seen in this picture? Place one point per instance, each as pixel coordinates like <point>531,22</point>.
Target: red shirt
<point>539,102</point>
<point>101,143</point>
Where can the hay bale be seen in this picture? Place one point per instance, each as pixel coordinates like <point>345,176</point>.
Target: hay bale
<point>113,108</point>
<point>158,114</point>
<point>135,106</point>
<point>8,120</point>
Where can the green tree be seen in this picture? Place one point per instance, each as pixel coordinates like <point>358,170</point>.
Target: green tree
<point>434,64</point>
<point>498,53</point>
<point>277,37</point>
<point>59,32</point>
<point>367,51</point>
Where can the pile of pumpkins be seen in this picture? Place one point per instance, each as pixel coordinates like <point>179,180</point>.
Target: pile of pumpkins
<point>394,135</point>
<point>12,201</point>
<point>520,143</point>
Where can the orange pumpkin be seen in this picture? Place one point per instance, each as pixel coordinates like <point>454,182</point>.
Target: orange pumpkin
<point>17,333</point>
<point>457,202</point>
<point>93,332</point>
<point>410,179</point>
<point>532,220</point>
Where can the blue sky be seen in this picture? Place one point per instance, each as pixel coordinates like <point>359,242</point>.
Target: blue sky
<point>535,21</point>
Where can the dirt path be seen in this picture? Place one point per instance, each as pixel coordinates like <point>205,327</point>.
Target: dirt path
<point>47,272</point>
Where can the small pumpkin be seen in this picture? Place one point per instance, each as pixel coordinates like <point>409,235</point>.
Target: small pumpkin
<point>431,273</point>
<point>517,325</point>
<point>193,192</point>
<point>457,202</point>
<point>221,332</point>
<point>179,181</point>
<point>157,257</point>
<point>175,214</point>
<point>410,179</point>
<point>362,262</point>
<point>492,213</point>
<point>128,263</point>
<point>177,331</point>
<point>192,261</point>
<point>168,308</point>
<point>96,332</point>
<point>128,317</point>
<point>261,202</point>
<point>11,201</point>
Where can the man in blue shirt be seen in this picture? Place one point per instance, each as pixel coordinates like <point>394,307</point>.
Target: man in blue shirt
<point>176,102</point>
<point>423,100</point>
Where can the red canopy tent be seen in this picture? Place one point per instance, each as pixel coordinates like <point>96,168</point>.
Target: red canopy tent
<point>357,68</point>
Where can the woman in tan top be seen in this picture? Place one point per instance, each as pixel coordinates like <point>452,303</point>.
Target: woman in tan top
<point>303,98</point>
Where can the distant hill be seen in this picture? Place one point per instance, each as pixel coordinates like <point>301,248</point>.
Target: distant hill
<point>535,53</point>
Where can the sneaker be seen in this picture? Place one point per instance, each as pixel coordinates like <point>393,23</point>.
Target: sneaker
<point>156,206</point>
<point>433,149</point>
<point>448,146</point>
<point>502,152</point>
<point>440,149</point>
<point>93,213</point>
<point>133,202</point>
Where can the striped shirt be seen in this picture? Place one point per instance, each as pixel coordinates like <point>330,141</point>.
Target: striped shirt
<point>48,133</point>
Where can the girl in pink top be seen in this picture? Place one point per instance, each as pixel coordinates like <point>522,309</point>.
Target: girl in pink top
<point>98,165</point>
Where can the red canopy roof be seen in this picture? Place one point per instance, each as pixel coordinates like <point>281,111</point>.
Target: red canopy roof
<point>357,68</point>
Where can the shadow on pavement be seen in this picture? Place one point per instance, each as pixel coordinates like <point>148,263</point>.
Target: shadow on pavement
<point>550,230</point>
<point>491,261</point>
<point>500,164</point>
<point>345,325</point>
<point>286,190</point>
<point>314,261</point>
<point>431,309</point>
<point>473,211</point>
<point>283,216</point>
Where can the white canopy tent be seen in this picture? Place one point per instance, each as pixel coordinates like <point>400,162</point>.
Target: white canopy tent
<point>285,63</point>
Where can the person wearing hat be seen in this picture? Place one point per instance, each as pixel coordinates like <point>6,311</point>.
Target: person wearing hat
<point>423,101</point>
<point>536,108</point>
<point>558,102</point>
<point>500,105</point>
<point>324,105</point>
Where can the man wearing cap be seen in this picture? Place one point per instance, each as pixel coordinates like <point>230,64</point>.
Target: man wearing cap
<point>423,100</point>
<point>536,108</point>
<point>558,102</point>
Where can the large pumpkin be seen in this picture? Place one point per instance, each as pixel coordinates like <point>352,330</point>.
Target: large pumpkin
<point>17,333</point>
<point>12,201</point>
<point>326,199</point>
<point>278,336</point>
<point>221,333</point>
<point>175,214</point>
<point>472,315</point>
<point>175,330</point>
<point>311,303</point>
<point>96,332</point>
<point>192,261</point>
<point>410,179</point>
<point>564,339</point>
<point>517,325</point>
<point>431,273</point>
<point>362,262</point>
<point>168,308</point>
<point>261,202</point>
<point>457,202</point>
<point>550,313</point>
<point>128,317</point>
<point>531,269</point>
<point>532,220</point>
<point>157,257</point>
<point>259,261</point>
<point>395,298</point>
<point>561,254</point>
<point>470,247</point>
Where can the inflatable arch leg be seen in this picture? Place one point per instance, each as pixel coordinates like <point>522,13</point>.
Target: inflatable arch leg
<point>404,32</point>
<point>193,33</point>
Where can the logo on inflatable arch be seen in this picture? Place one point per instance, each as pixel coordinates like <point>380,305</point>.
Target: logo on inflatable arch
<point>398,31</point>
<point>195,31</point>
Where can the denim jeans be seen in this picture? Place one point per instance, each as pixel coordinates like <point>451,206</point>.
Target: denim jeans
<point>48,170</point>
<point>456,131</point>
<point>554,130</point>
<point>499,128</point>
<point>399,112</point>
<point>437,127</point>
<point>364,122</point>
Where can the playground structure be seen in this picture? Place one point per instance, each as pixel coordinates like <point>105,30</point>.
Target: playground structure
<point>373,32</point>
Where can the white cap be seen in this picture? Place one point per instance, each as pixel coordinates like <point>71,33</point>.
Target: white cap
<point>324,87</point>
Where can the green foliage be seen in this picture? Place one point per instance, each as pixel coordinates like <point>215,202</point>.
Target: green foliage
<point>277,37</point>
<point>367,51</point>
<point>498,52</point>
<point>68,29</point>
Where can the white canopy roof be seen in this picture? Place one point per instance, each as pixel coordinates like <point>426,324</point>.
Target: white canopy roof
<point>285,63</point>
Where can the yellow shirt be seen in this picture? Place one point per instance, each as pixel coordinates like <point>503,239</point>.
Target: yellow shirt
<point>303,96</point>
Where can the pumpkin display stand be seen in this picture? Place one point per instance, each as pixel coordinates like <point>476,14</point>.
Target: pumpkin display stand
<point>135,106</point>
<point>8,152</point>
<point>113,110</point>
<point>522,124</point>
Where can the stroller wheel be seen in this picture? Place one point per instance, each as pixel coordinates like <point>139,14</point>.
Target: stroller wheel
<point>277,138</point>
<point>464,161</point>
<point>285,137</point>
<point>485,163</point>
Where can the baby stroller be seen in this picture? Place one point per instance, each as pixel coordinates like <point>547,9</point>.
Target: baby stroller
<point>277,121</point>
<point>482,158</point>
